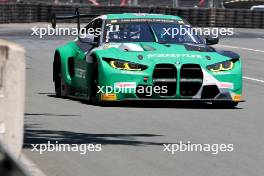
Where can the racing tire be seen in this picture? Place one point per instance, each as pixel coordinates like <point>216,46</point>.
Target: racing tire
<point>57,78</point>
<point>94,84</point>
<point>61,88</point>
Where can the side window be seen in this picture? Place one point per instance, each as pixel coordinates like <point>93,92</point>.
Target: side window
<point>89,26</point>
<point>97,27</point>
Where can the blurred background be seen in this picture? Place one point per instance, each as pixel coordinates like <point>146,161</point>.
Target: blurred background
<point>245,4</point>
<point>201,13</point>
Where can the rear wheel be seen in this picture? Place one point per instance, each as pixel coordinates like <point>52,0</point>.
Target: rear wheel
<point>57,78</point>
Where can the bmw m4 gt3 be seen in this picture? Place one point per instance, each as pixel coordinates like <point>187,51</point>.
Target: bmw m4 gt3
<point>141,57</point>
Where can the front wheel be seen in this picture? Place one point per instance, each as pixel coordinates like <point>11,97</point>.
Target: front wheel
<point>61,88</point>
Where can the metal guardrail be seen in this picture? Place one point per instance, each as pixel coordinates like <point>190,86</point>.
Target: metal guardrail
<point>26,13</point>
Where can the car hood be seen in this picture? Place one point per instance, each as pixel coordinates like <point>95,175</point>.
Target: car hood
<point>145,52</point>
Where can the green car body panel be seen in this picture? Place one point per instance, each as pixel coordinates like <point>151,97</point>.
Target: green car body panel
<point>77,71</point>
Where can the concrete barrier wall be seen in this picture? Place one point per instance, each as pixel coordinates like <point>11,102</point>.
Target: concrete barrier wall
<point>12,96</point>
<point>36,12</point>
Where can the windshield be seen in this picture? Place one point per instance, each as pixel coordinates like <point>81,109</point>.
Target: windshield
<point>175,33</point>
<point>129,32</point>
<point>161,32</point>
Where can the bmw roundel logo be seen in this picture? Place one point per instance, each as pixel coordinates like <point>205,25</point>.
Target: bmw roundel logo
<point>140,57</point>
<point>178,63</point>
<point>208,57</point>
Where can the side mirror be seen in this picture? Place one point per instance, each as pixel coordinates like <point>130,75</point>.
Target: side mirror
<point>88,38</point>
<point>211,40</point>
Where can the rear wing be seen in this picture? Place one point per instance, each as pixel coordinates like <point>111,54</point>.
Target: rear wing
<point>76,16</point>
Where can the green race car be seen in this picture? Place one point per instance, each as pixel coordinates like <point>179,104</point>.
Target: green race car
<point>141,57</point>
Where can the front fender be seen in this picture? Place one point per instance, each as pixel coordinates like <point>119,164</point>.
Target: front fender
<point>65,52</point>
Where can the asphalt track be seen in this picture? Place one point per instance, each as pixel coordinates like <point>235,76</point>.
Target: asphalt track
<point>132,135</point>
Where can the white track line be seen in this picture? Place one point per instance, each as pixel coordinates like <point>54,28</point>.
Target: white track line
<point>249,49</point>
<point>236,47</point>
<point>253,79</point>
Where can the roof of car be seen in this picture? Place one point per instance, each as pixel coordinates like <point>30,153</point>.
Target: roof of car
<point>141,16</point>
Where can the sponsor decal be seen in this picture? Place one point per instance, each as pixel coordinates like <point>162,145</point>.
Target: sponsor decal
<point>129,20</point>
<point>161,55</point>
<point>236,97</point>
<point>226,85</point>
<point>80,73</point>
<point>108,97</point>
<point>130,85</point>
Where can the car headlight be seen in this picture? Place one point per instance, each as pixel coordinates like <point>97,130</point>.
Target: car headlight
<point>124,65</point>
<point>221,66</point>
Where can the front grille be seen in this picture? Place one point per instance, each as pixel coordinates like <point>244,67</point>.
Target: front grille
<point>191,79</point>
<point>165,75</point>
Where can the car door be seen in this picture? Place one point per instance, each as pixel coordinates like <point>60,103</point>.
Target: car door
<point>82,66</point>
<point>98,23</point>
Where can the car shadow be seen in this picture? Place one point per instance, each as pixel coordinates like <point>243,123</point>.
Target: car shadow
<point>50,114</point>
<point>33,134</point>
<point>148,104</point>
<point>165,104</point>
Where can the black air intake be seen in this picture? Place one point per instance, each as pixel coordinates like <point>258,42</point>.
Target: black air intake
<point>166,75</point>
<point>210,92</point>
<point>191,79</point>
